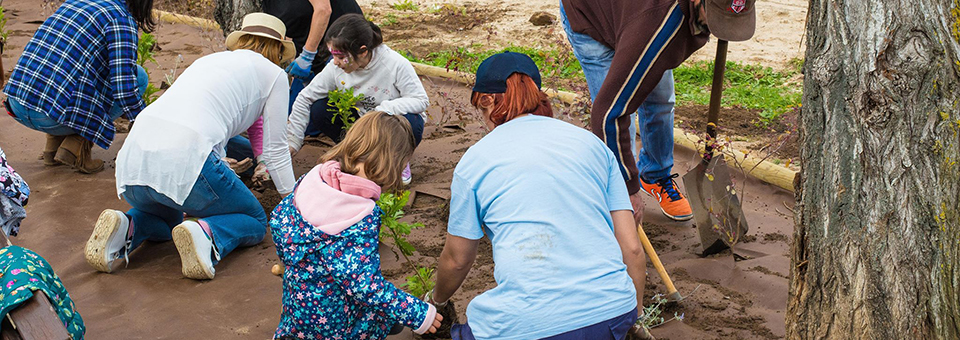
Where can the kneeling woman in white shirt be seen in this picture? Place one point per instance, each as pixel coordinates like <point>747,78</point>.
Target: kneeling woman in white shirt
<point>171,162</point>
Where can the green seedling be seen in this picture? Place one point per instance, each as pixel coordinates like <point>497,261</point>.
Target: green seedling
<point>388,20</point>
<point>392,229</point>
<point>145,47</point>
<point>421,282</point>
<point>405,5</point>
<point>4,33</point>
<point>342,103</point>
<point>151,94</point>
<point>448,9</point>
<point>651,316</point>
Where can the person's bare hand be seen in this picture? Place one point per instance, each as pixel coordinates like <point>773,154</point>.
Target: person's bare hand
<point>436,324</point>
<point>293,152</point>
<point>636,201</point>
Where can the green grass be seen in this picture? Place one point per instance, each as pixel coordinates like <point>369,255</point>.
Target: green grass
<point>405,5</point>
<point>747,86</point>
<point>552,63</point>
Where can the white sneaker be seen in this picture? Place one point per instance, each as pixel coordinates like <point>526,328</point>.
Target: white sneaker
<point>109,240</point>
<point>406,176</point>
<point>195,249</point>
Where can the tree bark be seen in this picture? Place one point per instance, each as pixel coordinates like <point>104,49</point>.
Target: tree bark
<point>876,251</point>
<point>229,13</point>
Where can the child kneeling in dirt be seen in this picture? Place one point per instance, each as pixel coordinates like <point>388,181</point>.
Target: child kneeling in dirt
<point>327,234</point>
<point>386,80</point>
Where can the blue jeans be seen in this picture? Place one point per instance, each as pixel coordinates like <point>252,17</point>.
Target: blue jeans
<point>655,158</point>
<point>612,329</point>
<point>218,198</point>
<point>42,122</point>
<point>295,87</point>
<point>239,148</point>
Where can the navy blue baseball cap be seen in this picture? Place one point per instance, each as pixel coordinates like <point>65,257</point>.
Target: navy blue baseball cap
<point>493,72</point>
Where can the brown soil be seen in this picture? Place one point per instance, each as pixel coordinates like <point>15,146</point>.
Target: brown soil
<point>724,298</point>
<point>197,8</point>
<point>778,139</point>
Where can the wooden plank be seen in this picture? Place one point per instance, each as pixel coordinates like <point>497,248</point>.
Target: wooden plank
<point>7,332</point>
<point>36,319</point>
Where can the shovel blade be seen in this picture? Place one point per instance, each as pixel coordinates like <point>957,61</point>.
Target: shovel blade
<point>716,208</point>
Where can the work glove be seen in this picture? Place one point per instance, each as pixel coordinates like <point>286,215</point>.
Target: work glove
<point>238,167</point>
<point>300,67</point>
<point>638,332</point>
<point>260,174</point>
<point>450,317</point>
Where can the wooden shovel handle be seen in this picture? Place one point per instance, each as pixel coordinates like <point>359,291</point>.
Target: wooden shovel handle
<point>716,92</point>
<point>672,294</point>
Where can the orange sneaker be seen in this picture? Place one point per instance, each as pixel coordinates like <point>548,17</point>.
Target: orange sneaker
<point>672,201</point>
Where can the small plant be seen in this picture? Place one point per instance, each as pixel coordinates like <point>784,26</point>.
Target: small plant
<point>4,33</point>
<point>342,103</point>
<point>405,5</point>
<point>171,76</point>
<point>448,9</point>
<point>392,206</point>
<point>651,317</point>
<point>392,229</point>
<point>150,95</point>
<point>145,46</point>
<point>421,282</point>
<point>390,19</point>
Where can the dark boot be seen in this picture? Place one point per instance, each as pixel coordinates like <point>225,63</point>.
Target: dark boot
<point>76,151</point>
<point>50,150</point>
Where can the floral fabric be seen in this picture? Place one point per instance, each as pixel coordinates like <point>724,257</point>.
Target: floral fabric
<point>11,184</point>
<point>23,272</point>
<point>332,286</point>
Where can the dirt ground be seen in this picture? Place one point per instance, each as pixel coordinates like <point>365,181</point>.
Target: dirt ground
<point>725,299</point>
<point>444,24</point>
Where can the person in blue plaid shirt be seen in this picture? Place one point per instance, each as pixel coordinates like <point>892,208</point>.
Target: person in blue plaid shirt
<point>77,74</point>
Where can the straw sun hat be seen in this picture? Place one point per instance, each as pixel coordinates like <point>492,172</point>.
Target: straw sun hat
<point>267,26</point>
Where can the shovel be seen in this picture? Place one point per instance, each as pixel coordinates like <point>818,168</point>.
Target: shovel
<point>713,198</point>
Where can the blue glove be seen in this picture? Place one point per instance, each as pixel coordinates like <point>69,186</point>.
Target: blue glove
<point>301,66</point>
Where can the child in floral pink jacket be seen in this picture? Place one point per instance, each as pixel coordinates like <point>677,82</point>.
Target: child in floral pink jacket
<point>327,234</point>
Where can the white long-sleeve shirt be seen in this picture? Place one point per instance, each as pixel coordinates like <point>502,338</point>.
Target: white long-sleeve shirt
<point>216,98</point>
<point>388,83</point>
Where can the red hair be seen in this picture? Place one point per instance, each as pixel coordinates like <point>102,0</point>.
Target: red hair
<point>522,96</point>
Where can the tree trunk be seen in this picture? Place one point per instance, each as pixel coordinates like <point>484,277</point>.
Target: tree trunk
<point>877,239</point>
<point>229,13</point>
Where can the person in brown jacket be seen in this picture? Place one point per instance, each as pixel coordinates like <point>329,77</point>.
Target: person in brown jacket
<point>627,49</point>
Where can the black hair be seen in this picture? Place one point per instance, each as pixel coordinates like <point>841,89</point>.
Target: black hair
<point>142,12</point>
<point>351,32</point>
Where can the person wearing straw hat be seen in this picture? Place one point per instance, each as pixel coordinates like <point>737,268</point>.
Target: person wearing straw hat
<point>627,49</point>
<point>170,164</point>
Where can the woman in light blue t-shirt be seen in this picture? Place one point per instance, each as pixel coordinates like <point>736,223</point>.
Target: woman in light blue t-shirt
<point>549,195</point>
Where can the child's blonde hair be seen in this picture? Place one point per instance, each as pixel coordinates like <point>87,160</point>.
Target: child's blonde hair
<point>383,143</point>
<point>269,48</point>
